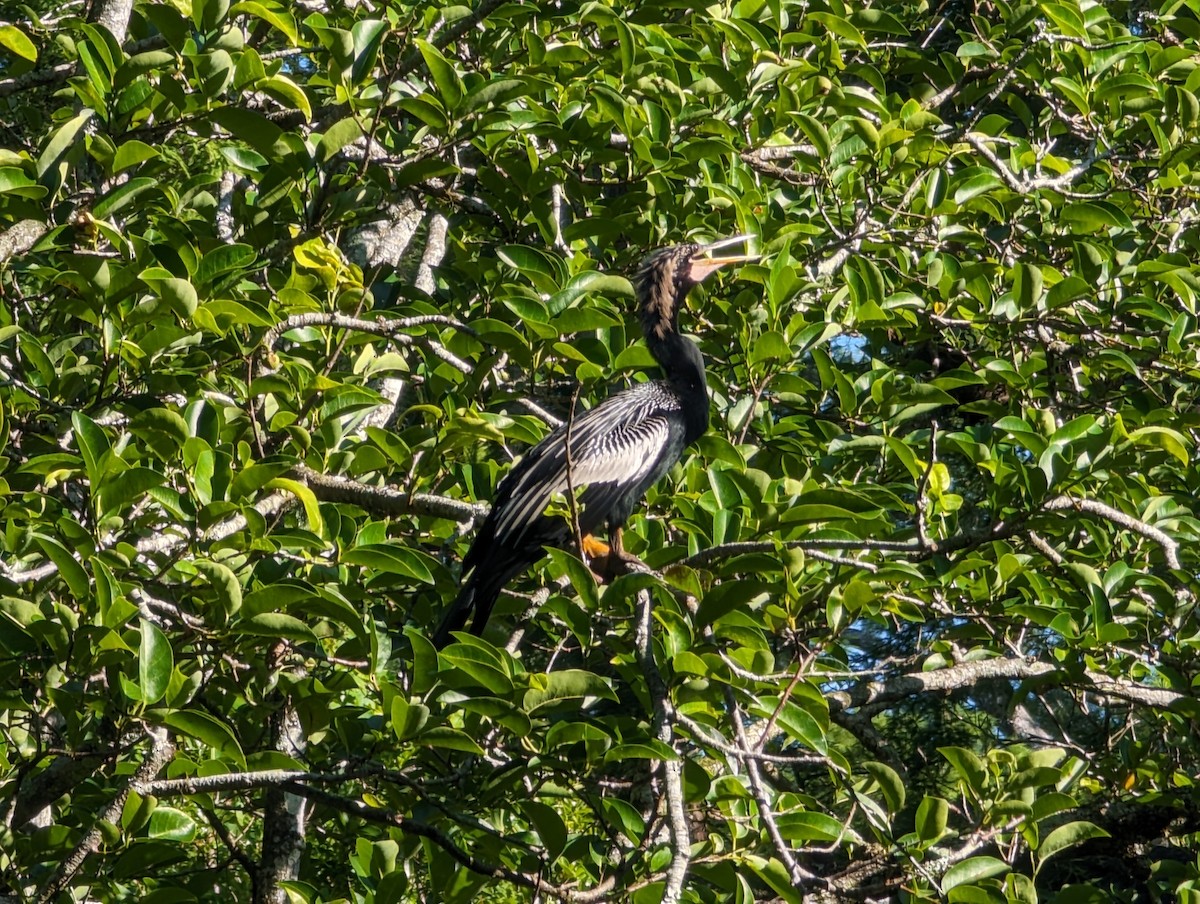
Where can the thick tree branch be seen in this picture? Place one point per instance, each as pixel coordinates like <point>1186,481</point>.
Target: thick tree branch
<point>873,696</point>
<point>1093,507</point>
<point>663,721</point>
<point>1025,185</point>
<point>389,501</point>
<point>20,237</point>
<point>161,750</point>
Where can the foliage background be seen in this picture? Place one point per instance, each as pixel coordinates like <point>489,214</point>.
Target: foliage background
<point>287,287</point>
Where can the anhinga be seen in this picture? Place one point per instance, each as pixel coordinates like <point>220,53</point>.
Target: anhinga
<point>617,449</point>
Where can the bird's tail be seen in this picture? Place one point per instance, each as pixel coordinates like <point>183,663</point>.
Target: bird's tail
<point>478,595</point>
<point>489,566</point>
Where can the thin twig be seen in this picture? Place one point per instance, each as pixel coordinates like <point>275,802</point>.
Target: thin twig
<point>799,875</point>
<point>571,476</point>
<point>710,738</point>
<point>390,328</point>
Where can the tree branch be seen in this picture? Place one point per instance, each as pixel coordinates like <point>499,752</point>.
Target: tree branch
<point>1093,507</point>
<point>333,488</point>
<point>672,769</point>
<point>161,750</point>
<point>387,817</point>
<point>873,696</point>
<point>389,328</point>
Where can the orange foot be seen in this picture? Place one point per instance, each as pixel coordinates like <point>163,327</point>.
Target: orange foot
<point>609,562</point>
<point>594,548</point>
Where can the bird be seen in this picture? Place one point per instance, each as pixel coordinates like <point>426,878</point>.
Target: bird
<point>618,449</point>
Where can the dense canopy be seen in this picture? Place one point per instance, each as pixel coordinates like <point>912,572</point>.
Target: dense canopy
<point>287,288</point>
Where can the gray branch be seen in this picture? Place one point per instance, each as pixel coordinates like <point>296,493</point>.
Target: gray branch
<point>390,501</point>
<point>873,696</point>
<point>1116,516</point>
<point>663,721</point>
<point>161,750</point>
<point>391,328</point>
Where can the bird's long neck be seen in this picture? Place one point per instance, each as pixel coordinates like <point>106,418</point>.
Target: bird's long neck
<point>683,367</point>
<point>661,289</point>
<point>678,357</point>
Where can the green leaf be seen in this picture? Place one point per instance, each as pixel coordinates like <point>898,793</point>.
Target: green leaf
<point>276,625</point>
<point>61,142</point>
<point>502,712</point>
<point>1066,836</point>
<point>890,784</point>
<point>549,826</point>
<point>312,509</point>
<point>131,153</point>
<point>177,294</point>
<point>68,566</point>
<point>967,765</point>
<point>482,667</point>
<point>1050,802</point>
<point>803,718</point>
<point>568,684</point>
<point>274,16</point>
<point>498,91</point>
<point>840,27</point>
<point>449,739</point>
<point>392,558</point>
<point>169,824</point>
<point>935,188</point>
<point>13,181</point>
<point>93,446</point>
<point>972,870</point>
<point>811,827</point>
<point>224,584</point>
<point>336,137</point>
<point>128,487</point>
<point>1027,285</point>
<point>770,346</point>
<point>1168,440</point>
<point>588,283</point>
<point>1094,216</point>
<point>582,579</point>
<point>651,749</point>
<point>288,93</point>
<point>155,663</point>
<point>775,875</point>
<point>208,730</point>
<point>251,127</point>
<point>625,817</point>
<point>368,35</point>
<point>449,85</point>
<point>17,43</point>
<point>425,662</point>
<point>976,185</point>
<point>932,816</point>
<point>222,260</point>
<point>728,596</point>
<point>408,718</point>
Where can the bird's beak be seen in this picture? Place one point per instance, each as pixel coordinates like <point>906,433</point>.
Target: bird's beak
<point>704,264</point>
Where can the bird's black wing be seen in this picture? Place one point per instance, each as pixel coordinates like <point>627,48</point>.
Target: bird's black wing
<point>617,447</point>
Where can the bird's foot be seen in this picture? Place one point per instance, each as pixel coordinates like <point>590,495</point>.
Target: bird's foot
<point>609,562</point>
<point>595,548</point>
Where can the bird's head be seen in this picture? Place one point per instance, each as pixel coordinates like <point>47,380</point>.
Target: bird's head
<point>667,275</point>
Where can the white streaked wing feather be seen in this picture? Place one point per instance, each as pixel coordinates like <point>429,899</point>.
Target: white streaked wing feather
<point>618,440</point>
